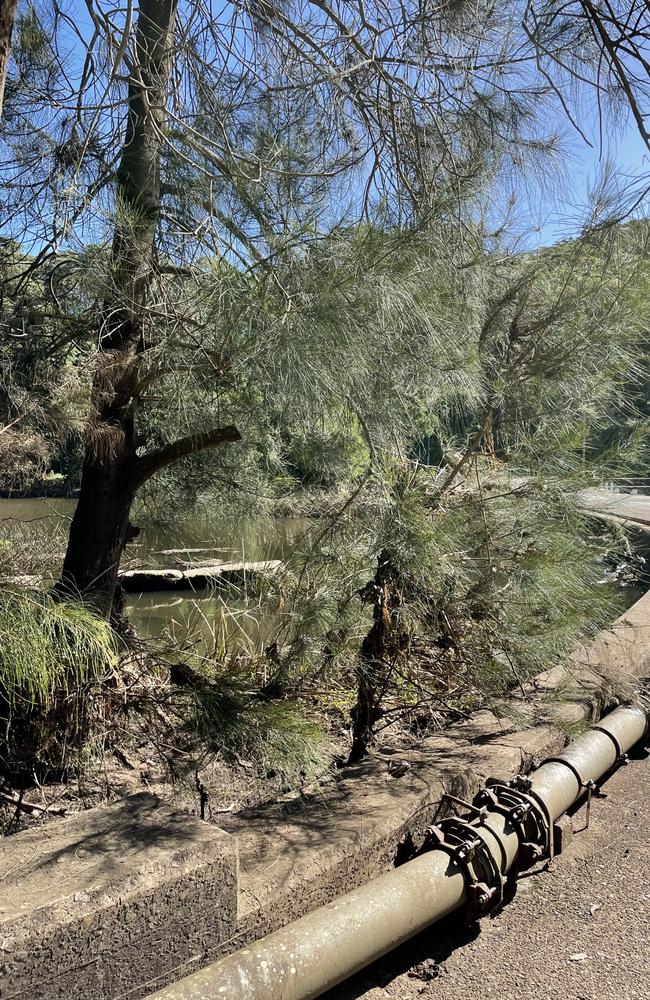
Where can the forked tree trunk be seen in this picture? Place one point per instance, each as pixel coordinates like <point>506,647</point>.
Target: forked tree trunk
<point>110,478</point>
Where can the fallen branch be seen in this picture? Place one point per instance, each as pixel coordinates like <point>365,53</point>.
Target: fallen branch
<point>19,803</point>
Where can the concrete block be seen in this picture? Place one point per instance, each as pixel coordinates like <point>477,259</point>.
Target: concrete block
<point>112,902</point>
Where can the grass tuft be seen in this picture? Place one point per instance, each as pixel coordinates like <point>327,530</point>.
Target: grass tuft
<point>49,647</point>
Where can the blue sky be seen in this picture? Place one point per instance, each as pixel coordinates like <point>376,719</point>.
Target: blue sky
<point>551,206</point>
<point>626,153</point>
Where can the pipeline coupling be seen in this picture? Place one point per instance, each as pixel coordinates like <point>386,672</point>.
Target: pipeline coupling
<point>465,841</point>
<point>526,812</point>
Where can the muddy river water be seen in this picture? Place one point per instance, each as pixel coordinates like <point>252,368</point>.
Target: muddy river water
<point>190,616</point>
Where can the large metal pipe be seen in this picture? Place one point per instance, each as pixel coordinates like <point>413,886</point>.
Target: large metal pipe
<point>588,758</point>
<point>313,954</point>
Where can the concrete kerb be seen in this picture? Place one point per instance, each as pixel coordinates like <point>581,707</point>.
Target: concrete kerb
<point>298,854</point>
<point>98,905</point>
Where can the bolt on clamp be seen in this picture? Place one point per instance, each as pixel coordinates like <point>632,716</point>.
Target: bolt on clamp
<point>464,841</point>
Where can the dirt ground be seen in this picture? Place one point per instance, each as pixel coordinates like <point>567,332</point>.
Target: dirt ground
<point>127,770</point>
<point>136,758</point>
<point>226,786</point>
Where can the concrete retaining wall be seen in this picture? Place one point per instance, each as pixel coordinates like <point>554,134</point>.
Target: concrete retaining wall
<point>113,902</point>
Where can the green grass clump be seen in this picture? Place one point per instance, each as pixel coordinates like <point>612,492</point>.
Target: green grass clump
<point>49,647</point>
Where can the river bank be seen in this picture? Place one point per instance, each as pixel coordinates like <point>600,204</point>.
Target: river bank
<point>232,632</point>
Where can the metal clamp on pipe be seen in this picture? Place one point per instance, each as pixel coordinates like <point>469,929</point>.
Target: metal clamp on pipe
<point>526,812</point>
<point>463,840</point>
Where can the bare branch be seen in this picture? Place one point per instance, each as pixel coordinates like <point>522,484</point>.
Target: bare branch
<point>151,463</point>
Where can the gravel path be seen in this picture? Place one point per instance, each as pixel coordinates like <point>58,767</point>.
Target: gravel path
<point>579,931</point>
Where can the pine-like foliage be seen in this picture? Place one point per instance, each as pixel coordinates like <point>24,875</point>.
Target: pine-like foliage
<point>229,720</point>
<point>53,657</point>
<point>488,568</point>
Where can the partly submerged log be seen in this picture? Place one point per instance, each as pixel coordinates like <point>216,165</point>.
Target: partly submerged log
<point>211,574</point>
<point>150,579</point>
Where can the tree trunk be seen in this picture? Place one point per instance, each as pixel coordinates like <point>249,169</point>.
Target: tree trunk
<point>100,529</point>
<point>7,18</point>
<point>379,649</point>
<point>111,475</point>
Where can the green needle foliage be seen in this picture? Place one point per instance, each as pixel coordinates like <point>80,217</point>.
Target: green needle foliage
<point>54,657</point>
<point>49,647</point>
<point>483,565</point>
<point>231,722</point>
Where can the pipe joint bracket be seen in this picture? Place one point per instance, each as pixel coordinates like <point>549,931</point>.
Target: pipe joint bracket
<point>526,812</point>
<point>466,844</point>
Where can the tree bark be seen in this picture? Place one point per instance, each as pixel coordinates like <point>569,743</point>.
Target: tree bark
<point>190,445</point>
<point>7,18</point>
<point>99,531</point>
<point>110,478</point>
<point>379,649</point>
